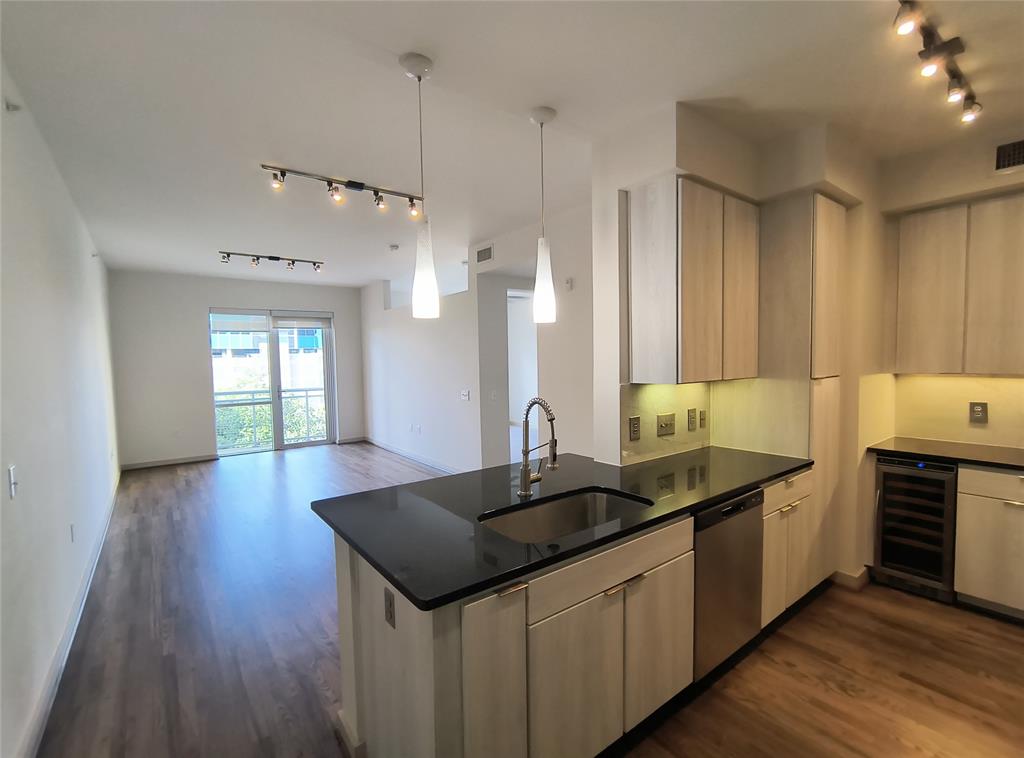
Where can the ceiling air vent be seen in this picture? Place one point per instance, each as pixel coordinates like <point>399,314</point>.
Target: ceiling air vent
<point>484,254</point>
<point>1010,155</point>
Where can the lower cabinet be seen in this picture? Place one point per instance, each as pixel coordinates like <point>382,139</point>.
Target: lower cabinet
<point>795,557</point>
<point>576,678</point>
<point>990,549</point>
<point>659,637</point>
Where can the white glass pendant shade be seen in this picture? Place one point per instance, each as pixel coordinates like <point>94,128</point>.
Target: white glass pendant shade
<point>543,286</point>
<point>426,302</point>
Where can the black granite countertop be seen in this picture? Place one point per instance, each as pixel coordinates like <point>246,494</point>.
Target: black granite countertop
<point>425,537</point>
<point>951,452</point>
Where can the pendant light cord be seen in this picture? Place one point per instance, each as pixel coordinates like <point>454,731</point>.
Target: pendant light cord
<point>419,97</point>
<point>542,180</point>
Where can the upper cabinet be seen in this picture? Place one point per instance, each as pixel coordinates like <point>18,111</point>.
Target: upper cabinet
<point>829,243</point>
<point>930,303</point>
<point>995,286</point>
<point>961,275</point>
<point>692,283</point>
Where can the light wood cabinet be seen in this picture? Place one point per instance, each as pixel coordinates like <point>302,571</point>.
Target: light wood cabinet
<point>990,550</point>
<point>659,637</point>
<point>931,290</point>
<point>829,244</point>
<point>774,560</point>
<point>693,283</point>
<point>494,676</point>
<point>804,564</point>
<point>994,342</point>
<point>576,679</point>
<point>740,277</point>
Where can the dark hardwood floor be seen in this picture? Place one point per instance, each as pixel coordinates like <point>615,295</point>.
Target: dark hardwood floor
<point>210,630</point>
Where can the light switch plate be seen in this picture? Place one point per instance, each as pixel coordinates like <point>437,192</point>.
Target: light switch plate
<point>389,607</point>
<point>634,428</point>
<point>691,420</point>
<point>666,424</point>
<point>703,419</point>
<point>978,412</point>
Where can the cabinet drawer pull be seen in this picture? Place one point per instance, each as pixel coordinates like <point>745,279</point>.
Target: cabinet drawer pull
<point>789,483</point>
<point>636,579</point>
<point>1016,503</point>
<point>512,588</point>
<point>615,590</point>
<point>786,509</point>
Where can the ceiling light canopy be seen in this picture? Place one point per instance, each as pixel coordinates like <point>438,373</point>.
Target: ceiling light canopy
<point>544,307</point>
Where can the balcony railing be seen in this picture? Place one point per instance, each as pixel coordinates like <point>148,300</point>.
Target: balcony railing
<point>245,420</point>
<point>304,413</point>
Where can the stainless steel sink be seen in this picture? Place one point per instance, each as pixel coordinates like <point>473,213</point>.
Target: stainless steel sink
<point>553,518</point>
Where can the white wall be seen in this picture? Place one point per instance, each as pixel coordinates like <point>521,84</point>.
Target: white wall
<point>565,349</point>
<point>57,424</point>
<point>160,337</point>
<point>415,370</point>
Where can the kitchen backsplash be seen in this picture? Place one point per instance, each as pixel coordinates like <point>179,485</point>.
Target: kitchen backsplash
<point>936,407</point>
<point>649,400</point>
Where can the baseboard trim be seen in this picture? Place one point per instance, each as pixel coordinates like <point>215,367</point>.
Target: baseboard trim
<point>349,440</point>
<point>169,462</point>
<point>853,582</point>
<point>411,456</point>
<point>34,735</point>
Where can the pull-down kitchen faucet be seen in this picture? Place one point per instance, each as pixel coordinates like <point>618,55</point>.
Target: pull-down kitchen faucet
<point>526,475</point>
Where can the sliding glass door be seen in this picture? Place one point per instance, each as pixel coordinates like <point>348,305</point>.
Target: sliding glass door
<point>271,380</point>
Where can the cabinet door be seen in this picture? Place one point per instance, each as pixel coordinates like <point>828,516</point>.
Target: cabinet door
<point>653,278</point>
<point>829,242</point>
<point>930,304</point>
<point>995,286</point>
<point>990,550</point>
<point>576,679</point>
<point>739,289</point>
<point>774,561</point>
<point>659,637</point>
<point>494,676</point>
<point>700,282</point>
<point>803,564</point>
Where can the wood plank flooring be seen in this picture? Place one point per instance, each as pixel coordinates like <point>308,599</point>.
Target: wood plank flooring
<point>210,630</point>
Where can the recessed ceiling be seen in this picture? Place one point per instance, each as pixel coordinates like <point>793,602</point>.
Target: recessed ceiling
<point>158,114</point>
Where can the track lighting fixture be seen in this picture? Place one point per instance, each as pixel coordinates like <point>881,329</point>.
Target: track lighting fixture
<point>413,210</point>
<point>930,65</point>
<point>336,187</point>
<point>907,18</point>
<point>955,91</point>
<point>336,194</point>
<point>255,258</point>
<point>971,110</point>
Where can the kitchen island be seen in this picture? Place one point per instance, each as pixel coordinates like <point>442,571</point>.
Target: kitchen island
<point>444,619</point>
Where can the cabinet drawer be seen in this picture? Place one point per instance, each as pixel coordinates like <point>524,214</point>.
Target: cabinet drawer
<point>988,482</point>
<point>560,589</point>
<point>787,491</point>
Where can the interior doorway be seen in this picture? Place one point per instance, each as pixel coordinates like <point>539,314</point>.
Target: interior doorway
<point>522,368</point>
<point>272,380</point>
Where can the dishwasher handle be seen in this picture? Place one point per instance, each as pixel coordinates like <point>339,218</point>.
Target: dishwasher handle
<point>729,509</point>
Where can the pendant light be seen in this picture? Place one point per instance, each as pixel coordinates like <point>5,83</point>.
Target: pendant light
<point>426,301</point>
<point>543,283</point>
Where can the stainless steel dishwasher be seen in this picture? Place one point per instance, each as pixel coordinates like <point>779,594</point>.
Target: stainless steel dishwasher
<point>727,604</point>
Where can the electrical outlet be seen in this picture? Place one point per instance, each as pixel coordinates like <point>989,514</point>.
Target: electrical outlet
<point>389,607</point>
<point>691,420</point>
<point>464,395</point>
<point>703,419</point>
<point>666,424</point>
<point>634,428</point>
<point>978,412</point>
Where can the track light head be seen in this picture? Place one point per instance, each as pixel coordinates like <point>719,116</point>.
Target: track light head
<point>972,108</point>
<point>317,267</point>
<point>929,67</point>
<point>378,200</point>
<point>254,261</point>
<point>335,193</point>
<point>414,210</point>
<point>955,92</point>
<point>225,257</point>
<point>907,18</point>
<point>277,181</point>
<point>290,265</point>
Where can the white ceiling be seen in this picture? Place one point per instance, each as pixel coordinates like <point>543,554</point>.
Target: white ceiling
<point>158,114</point>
